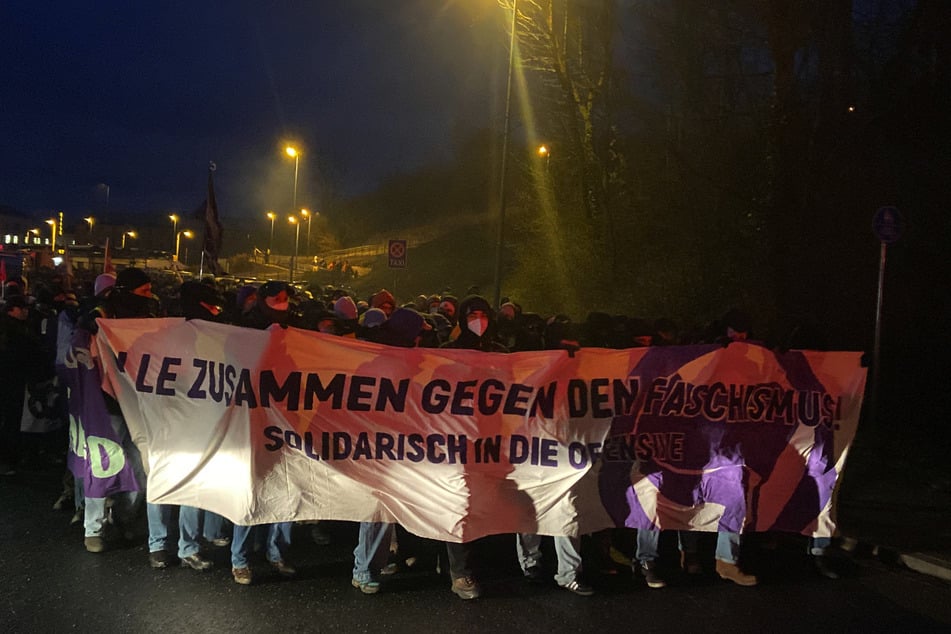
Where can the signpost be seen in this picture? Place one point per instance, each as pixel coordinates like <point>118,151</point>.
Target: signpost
<point>888,225</point>
<point>396,252</point>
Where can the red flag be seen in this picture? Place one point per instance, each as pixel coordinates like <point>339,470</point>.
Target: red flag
<point>107,266</point>
<point>211,244</point>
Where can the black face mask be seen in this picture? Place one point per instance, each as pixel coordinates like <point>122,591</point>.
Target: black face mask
<point>130,305</point>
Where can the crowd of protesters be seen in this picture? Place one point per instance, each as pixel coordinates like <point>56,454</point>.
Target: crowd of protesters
<point>31,335</point>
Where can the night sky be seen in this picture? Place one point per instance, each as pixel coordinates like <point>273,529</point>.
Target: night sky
<point>140,96</point>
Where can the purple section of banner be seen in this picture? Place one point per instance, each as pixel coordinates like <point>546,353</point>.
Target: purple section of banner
<point>98,452</point>
<point>685,462</point>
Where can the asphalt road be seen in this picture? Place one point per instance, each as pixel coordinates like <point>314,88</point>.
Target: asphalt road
<point>49,583</point>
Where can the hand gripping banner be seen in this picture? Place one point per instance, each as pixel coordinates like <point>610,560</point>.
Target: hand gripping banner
<point>286,424</point>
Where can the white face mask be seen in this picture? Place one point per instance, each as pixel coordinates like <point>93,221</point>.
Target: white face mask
<point>478,325</point>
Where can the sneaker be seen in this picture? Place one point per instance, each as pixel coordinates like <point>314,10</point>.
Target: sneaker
<point>366,587</point>
<point>690,563</point>
<point>535,574</point>
<point>221,542</point>
<point>283,568</point>
<point>94,544</point>
<point>242,575</point>
<point>159,559</point>
<point>581,589</point>
<point>390,569</point>
<point>732,572</point>
<point>64,501</point>
<point>466,588</point>
<point>825,567</point>
<point>77,517</point>
<point>648,570</point>
<point>196,562</point>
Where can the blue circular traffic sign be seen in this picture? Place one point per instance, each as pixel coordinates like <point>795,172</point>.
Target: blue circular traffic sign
<point>888,224</point>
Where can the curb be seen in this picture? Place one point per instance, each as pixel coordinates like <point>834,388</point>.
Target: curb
<point>932,564</point>
<point>928,564</point>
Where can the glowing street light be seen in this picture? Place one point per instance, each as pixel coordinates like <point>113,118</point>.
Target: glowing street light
<point>90,221</point>
<point>292,152</point>
<point>131,234</point>
<point>272,217</point>
<point>294,221</point>
<point>545,152</point>
<point>52,223</point>
<point>35,232</point>
<point>178,239</point>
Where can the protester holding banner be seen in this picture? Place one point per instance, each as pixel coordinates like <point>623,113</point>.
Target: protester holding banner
<point>272,306</point>
<point>476,332</point>
<point>99,430</point>
<point>402,329</point>
<point>735,326</point>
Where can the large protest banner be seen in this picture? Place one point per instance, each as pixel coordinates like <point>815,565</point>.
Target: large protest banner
<point>286,424</point>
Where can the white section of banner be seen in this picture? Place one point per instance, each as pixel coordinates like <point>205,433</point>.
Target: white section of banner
<point>429,444</point>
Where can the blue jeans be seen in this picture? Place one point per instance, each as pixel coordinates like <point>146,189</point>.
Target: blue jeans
<point>728,545</point>
<point>371,551</point>
<point>276,544</point>
<point>160,519</point>
<point>567,550</point>
<point>214,526</point>
<point>819,545</point>
<point>125,506</point>
<point>648,545</point>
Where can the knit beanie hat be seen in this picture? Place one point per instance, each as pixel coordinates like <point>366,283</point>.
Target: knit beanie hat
<point>103,283</point>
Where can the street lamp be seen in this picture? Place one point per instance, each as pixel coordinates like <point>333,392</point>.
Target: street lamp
<point>271,216</point>
<point>131,234</point>
<point>90,221</point>
<point>178,239</point>
<point>505,151</point>
<point>35,232</point>
<point>174,219</point>
<point>294,221</point>
<point>545,152</point>
<point>310,217</point>
<point>292,152</point>
<point>52,223</point>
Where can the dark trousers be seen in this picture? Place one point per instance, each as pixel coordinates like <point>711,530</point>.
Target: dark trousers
<point>11,415</point>
<point>459,559</point>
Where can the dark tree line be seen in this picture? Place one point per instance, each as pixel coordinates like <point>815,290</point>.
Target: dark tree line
<point>702,155</point>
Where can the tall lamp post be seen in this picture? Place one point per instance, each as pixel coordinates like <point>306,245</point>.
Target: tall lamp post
<point>90,221</point>
<point>178,239</point>
<point>35,232</point>
<point>310,217</point>
<point>52,223</point>
<point>292,152</point>
<point>294,221</point>
<point>174,219</point>
<point>131,234</point>
<point>271,216</point>
<point>505,151</point>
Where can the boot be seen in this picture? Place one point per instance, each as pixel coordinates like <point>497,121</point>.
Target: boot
<point>732,572</point>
